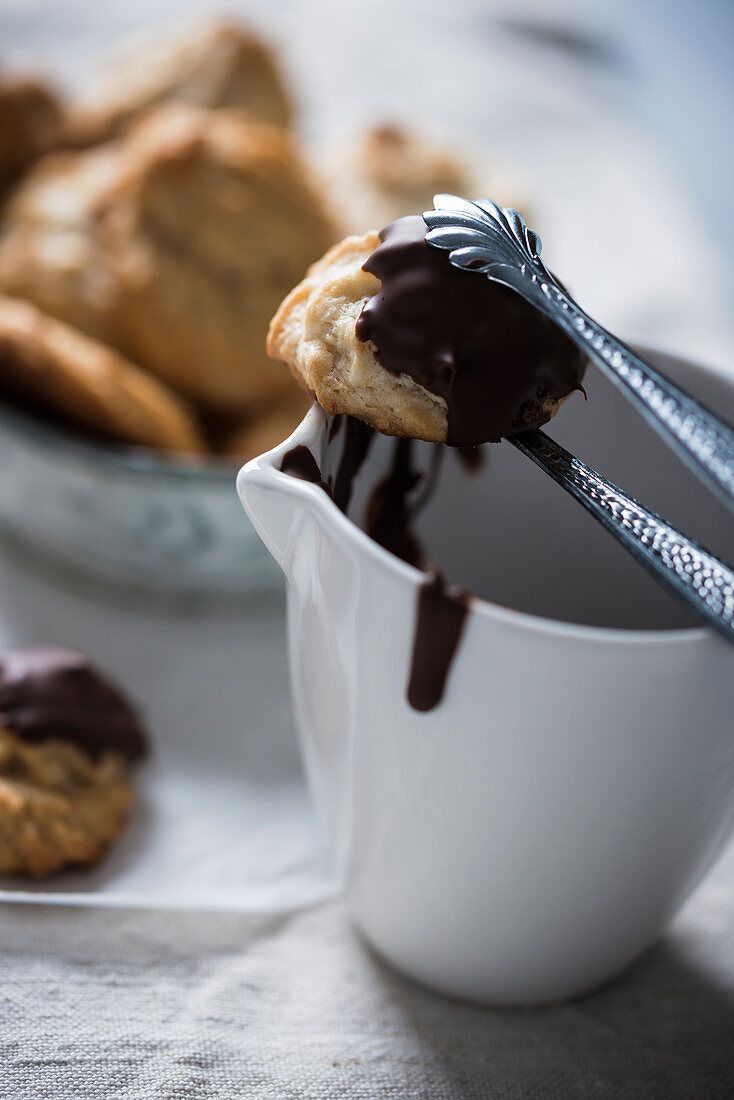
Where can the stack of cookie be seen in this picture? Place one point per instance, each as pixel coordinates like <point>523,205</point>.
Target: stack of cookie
<point>150,231</point>
<point>155,245</point>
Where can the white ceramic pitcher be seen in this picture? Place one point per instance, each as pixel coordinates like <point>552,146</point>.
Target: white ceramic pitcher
<point>528,838</point>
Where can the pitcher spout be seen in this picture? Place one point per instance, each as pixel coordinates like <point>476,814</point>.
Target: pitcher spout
<point>276,501</point>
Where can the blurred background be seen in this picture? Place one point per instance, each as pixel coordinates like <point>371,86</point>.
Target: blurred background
<point>549,89</point>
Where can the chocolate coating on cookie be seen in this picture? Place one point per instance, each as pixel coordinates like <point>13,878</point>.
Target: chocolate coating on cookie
<point>500,365</point>
<point>50,693</point>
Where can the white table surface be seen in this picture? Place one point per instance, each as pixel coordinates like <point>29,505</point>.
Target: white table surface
<point>276,998</point>
<point>223,820</point>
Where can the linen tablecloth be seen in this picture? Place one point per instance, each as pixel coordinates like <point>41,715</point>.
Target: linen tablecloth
<point>146,1006</point>
<point>98,1003</point>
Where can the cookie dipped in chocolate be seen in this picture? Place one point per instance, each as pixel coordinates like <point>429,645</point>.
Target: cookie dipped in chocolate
<point>500,365</point>
<point>50,693</point>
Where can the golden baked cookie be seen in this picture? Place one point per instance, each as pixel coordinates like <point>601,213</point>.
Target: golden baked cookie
<point>57,368</point>
<point>269,426</point>
<point>218,65</point>
<point>390,172</point>
<point>58,807</point>
<point>175,245</point>
<point>30,124</point>
<point>51,247</point>
<point>314,333</point>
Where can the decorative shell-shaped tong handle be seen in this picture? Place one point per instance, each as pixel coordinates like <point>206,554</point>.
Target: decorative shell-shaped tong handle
<point>495,241</point>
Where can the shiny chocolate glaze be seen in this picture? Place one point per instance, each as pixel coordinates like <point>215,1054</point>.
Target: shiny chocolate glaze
<point>357,442</point>
<point>389,514</point>
<point>440,617</point>
<point>392,507</point>
<point>491,356</point>
<point>471,458</point>
<point>300,463</point>
<point>50,693</point>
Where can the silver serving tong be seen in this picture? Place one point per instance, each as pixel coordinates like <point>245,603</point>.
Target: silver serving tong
<point>495,241</point>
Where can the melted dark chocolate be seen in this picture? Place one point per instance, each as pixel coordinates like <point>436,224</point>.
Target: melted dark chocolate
<point>335,423</point>
<point>357,441</point>
<point>391,510</point>
<point>471,458</point>
<point>480,346</point>
<point>389,513</point>
<point>50,693</point>
<point>300,463</point>
<point>441,614</point>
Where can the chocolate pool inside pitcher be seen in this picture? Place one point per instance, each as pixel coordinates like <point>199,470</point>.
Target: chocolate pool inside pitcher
<point>495,525</point>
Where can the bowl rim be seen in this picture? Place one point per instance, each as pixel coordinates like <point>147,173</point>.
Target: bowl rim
<point>265,469</point>
<point>130,458</point>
